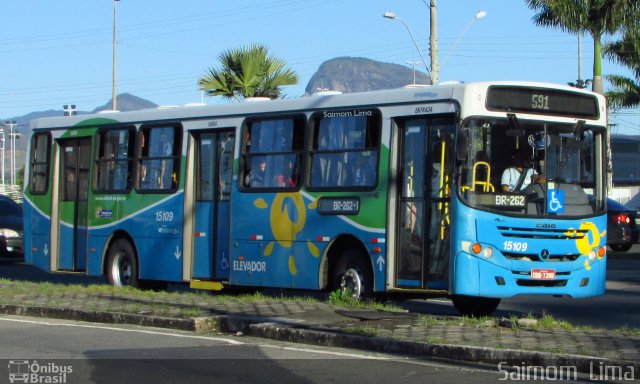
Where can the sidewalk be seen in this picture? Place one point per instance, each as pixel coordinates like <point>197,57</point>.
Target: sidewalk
<point>292,319</point>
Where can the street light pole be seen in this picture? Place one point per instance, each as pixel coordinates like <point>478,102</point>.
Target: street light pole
<point>2,148</point>
<point>479,15</point>
<point>413,64</point>
<point>113,95</point>
<point>12,156</point>
<point>392,16</point>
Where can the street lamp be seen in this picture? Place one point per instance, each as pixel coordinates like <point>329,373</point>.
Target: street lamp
<point>2,149</point>
<point>392,16</point>
<point>413,64</point>
<point>479,15</point>
<point>12,142</point>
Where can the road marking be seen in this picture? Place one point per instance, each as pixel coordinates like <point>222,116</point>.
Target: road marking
<point>42,322</point>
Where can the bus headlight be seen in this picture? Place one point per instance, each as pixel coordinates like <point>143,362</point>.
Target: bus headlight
<point>487,252</point>
<point>592,255</point>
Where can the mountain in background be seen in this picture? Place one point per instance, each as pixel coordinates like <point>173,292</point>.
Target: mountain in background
<point>127,102</point>
<point>357,74</point>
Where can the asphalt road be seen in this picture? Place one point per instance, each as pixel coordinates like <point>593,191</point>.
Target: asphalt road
<point>93,353</point>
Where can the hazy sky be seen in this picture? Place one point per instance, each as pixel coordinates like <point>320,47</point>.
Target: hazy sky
<point>60,52</point>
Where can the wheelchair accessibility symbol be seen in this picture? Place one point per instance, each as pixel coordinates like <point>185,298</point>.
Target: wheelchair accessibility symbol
<point>555,201</point>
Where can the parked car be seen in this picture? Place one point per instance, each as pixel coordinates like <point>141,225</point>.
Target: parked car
<point>622,231</point>
<point>10,228</point>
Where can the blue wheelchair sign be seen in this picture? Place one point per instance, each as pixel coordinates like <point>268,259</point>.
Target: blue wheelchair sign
<point>555,201</point>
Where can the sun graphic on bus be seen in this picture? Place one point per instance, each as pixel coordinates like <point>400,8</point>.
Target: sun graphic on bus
<point>286,224</point>
<point>588,242</point>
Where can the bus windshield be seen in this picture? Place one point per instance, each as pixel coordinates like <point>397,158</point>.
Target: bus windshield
<point>531,168</point>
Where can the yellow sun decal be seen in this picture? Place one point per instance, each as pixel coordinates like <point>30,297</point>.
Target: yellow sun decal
<point>591,240</point>
<point>286,225</point>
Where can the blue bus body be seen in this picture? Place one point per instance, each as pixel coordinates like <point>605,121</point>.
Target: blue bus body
<point>393,191</point>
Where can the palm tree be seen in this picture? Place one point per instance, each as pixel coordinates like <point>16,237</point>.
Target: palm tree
<point>249,71</point>
<point>626,91</point>
<point>598,17</point>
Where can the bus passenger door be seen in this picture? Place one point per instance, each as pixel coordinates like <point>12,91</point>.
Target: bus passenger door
<point>423,203</point>
<point>212,227</point>
<point>75,164</point>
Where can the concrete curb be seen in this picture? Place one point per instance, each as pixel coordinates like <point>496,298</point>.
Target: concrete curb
<point>99,317</point>
<point>511,357</point>
<point>257,327</point>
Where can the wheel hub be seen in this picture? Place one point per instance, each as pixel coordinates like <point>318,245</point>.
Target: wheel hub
<point>351,281</point>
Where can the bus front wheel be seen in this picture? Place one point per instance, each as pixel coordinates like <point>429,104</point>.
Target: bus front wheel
<point>475,306</point>
<point>352,274</point>
<point>122,265</point>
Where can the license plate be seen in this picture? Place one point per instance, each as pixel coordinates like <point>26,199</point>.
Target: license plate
<point>543,274</point>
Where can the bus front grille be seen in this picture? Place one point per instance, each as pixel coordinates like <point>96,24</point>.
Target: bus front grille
<point>542,233</point>
<point>536,257</point>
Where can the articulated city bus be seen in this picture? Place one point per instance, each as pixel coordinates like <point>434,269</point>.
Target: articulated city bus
<point>408,191</point>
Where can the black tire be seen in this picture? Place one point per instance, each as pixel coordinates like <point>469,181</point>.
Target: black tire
<point>352,272</point>
<point>122,265</point>
<point>475,306</point>
<point>621,247</point>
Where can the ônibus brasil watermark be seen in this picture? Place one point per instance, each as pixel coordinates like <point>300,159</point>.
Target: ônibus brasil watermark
<point>31,372</point>
<point>597,371</point>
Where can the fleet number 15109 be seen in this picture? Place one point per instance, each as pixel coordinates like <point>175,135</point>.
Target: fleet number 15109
<point>517,246</point>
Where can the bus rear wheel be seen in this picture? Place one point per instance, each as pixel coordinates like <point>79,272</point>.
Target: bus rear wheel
<point>122,265</point>
<point>475,306</point>
<point>352,274</point>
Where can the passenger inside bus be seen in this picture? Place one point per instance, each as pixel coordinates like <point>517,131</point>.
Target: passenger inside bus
<point>145,182</point>
<point>257,176</point>
<point>287,178</point>
<point>70,185</point>
<point>362,173</point>
<point>520,175</point>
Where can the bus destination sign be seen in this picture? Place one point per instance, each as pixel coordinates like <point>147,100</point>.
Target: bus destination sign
<point>338,205</point>
<point>542,100</point>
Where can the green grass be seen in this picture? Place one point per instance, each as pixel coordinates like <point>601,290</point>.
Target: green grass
<point>363,331</point>
<point>625,329</point>
<point>343,298</point>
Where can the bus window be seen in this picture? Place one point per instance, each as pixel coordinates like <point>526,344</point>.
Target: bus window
<point>158,160</point>
<point>272,153</point>
<point>114,160</point>
<point>345,150</point>
<point>39,175</point>
<point>529,158</point>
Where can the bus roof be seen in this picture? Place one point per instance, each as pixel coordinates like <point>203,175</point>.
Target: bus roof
<point>428,94</point>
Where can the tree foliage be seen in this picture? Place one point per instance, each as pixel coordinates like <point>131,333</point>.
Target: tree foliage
<point>597,17</point>
<point>626,91</point>
<point>248,71</point>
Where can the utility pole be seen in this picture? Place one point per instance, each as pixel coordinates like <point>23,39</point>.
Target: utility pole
<point>2,141</point>
<point>113,100</point>
<point>433,43</point>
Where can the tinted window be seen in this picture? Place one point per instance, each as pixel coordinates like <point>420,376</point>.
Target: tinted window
<point>272,153</point>
<point>345,149</point>
<point>39,163</point>
<point>114,163</point>
<point>159,159</point>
